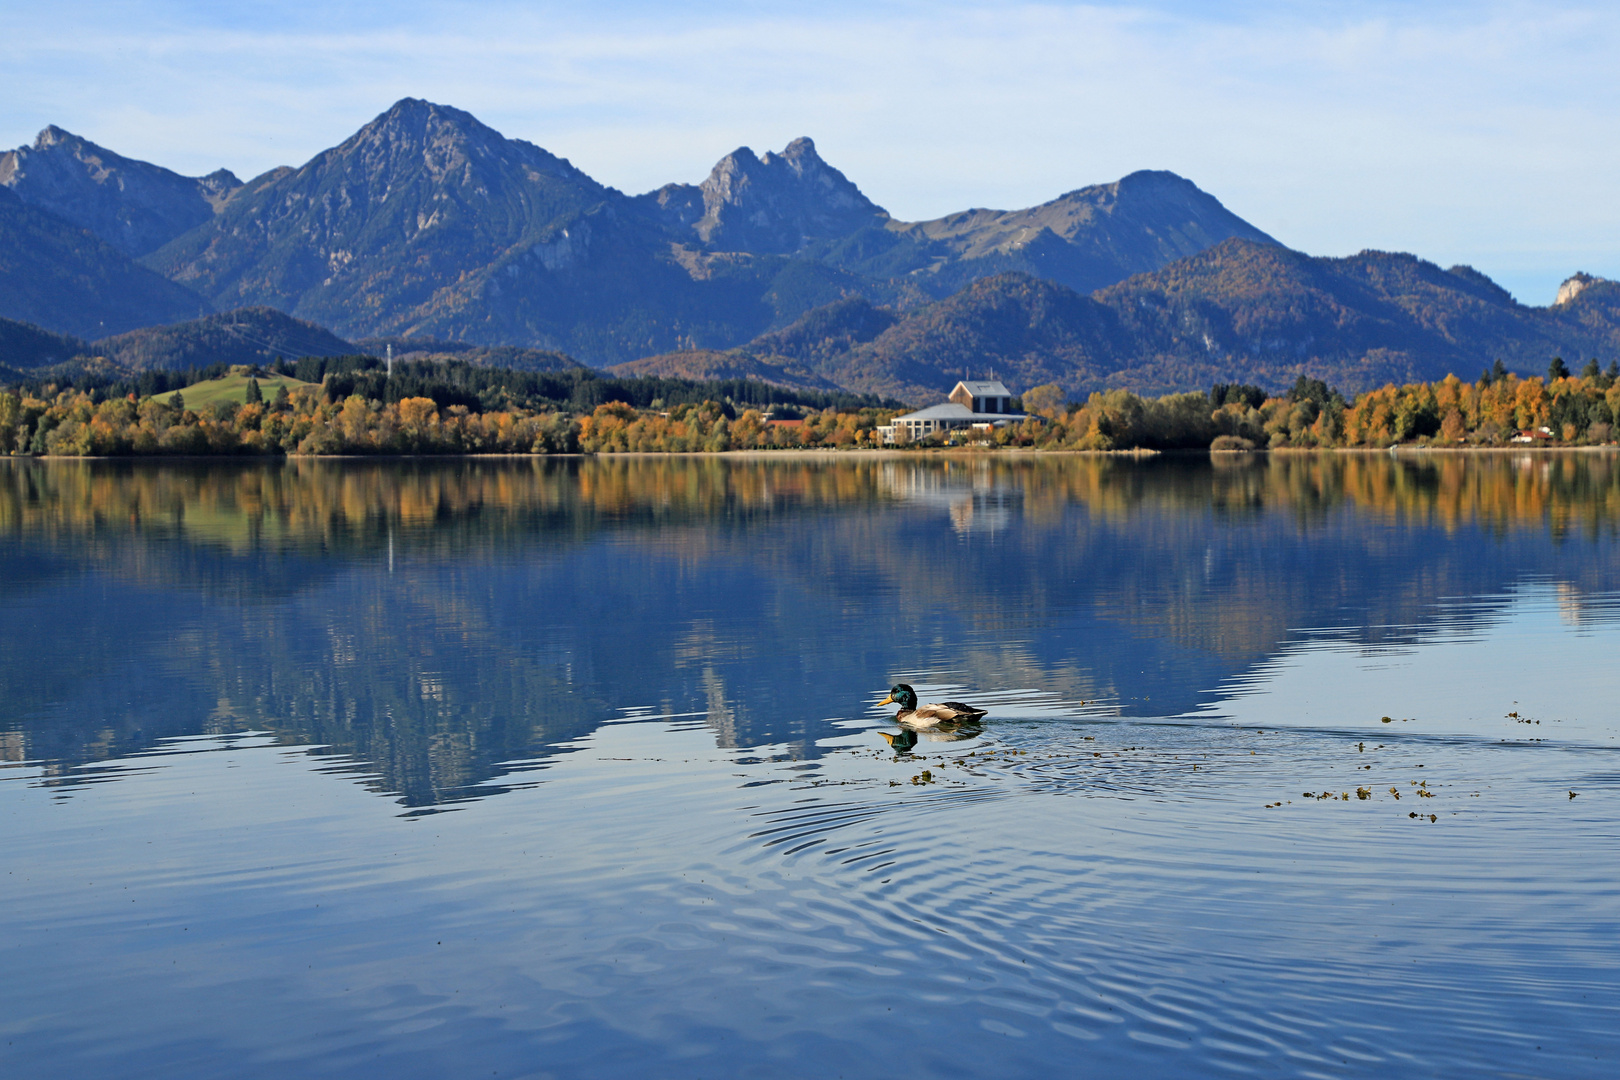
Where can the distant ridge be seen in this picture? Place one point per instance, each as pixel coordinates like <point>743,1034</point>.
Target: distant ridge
<point>1242,311</point>
<point>132,205</point>
<point>24,345</point>
<point>1096,236</point>
<point>709,365</point>
<point>501,356</point>
<point>64,278</point>
<point>256,335</point>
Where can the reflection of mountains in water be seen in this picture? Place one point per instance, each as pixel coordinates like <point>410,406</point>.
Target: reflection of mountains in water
<point>528,601</point>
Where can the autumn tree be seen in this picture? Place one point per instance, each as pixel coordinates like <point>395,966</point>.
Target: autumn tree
<point>1046,399</point>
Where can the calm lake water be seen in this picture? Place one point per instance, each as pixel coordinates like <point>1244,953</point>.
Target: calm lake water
<point>573,768</point>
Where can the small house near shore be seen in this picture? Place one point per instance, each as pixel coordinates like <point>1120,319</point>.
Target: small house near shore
<point>978,405</point>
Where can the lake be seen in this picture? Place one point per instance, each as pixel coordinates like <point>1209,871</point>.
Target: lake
<point>1294,765</point>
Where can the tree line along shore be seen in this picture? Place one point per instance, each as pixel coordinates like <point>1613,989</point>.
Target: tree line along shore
<point>344,416</point>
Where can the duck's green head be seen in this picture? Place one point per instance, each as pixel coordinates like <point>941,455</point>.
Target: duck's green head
<point>902,695</point>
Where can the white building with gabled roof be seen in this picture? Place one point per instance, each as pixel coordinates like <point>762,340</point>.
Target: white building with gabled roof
<point>976,404</point>
<point>982,396</point>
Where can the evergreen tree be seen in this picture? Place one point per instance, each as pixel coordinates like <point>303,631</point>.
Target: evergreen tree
<point>1556,370</point>
<point>1592,370</point>
<point>283,399</point>
<point>177,401</point>
<point>1236,394</point>
<point>1498,370</point>
<point>255,396</point>
<point>1313,390</point>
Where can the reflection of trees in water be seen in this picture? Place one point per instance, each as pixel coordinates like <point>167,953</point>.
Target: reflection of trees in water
<point>443,505</point>
<point>533,599</point>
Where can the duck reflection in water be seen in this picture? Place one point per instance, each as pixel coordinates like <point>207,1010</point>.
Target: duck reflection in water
<point>904,740</point>
<point>947,721</point>
<point>901,742</point>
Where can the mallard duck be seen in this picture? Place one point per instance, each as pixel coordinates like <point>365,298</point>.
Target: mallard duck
<point>942,713</point>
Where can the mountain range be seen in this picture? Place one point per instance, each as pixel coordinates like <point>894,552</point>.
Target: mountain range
<point>1242,311</point>
<point>428,228</point>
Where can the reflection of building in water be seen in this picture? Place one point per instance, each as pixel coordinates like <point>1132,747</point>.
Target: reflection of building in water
<point>981,513</point>
<point>969,493</point>
<point>979,406</point>
<point>451,763</point>
<point>721,716</point>
<point>1577,607</point>
<point>13,746</point>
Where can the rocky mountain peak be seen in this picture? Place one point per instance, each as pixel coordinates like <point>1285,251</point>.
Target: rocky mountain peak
<point>51,136</point>
<point>135,206</point>
<point>421,197</point>
<point>799,156</point>
<point>767,204</point>
<point>451,144</point>
<point>217,186</point>
<point>802,147</point>
<point>778,202</point>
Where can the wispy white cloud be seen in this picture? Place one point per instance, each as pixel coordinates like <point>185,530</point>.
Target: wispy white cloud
<point>1481,133</point>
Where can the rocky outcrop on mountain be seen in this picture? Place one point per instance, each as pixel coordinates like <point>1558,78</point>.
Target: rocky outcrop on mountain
<point>64,278</point>
<point>258,335</point>
<point>132,205</point>
<point>1574,285</point>
<point>771,205</point>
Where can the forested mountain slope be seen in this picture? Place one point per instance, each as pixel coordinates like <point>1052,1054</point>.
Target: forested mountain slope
<point>1243,311</point>
<point>245,336</point>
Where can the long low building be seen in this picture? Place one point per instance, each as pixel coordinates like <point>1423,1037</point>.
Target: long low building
<point>980,405</point>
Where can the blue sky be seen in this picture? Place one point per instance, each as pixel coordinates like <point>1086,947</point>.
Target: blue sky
<point>1482,133</point>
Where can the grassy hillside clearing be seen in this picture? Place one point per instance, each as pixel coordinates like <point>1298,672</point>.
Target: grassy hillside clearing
<point>232,387</point>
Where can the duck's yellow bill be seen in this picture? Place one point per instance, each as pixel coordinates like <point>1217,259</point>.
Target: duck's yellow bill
<point>886,701</point>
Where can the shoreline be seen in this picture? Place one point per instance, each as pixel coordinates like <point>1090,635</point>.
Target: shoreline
<point>819,453</point>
